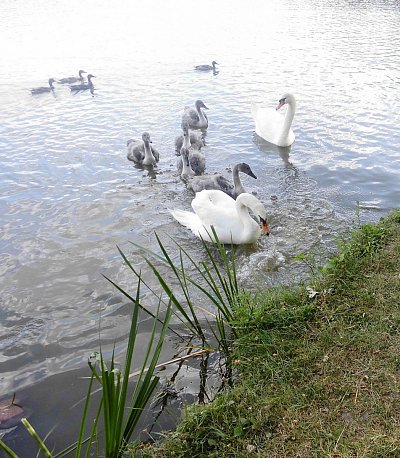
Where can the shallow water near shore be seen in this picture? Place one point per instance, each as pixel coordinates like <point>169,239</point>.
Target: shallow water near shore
<point>68,195</point>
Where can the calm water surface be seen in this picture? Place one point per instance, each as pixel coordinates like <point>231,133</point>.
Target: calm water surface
<point>68,195</point>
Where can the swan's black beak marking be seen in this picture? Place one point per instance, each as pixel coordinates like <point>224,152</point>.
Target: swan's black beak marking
<point>281,103</point>
<point>264,226</point>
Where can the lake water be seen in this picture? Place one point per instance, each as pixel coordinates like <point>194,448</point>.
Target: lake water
<point>69,196</point>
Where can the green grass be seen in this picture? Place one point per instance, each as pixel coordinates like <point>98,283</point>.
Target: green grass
<point>314,376</point>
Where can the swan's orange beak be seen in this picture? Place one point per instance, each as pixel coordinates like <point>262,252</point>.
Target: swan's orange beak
<point>264,226</point>
<point>280,104</point>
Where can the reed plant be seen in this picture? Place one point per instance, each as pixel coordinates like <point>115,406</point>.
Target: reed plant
<point>120,412</point>
<point>214,279</point>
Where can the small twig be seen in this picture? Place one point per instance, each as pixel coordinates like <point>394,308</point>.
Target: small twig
<point>12,403</point>
<point>175,360</point>
<point>357,391</point>
<point>181,358</point>
<point>340,436</point>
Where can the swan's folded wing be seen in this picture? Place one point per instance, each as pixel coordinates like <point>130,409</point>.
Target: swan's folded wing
<point>200,182</point>
<point>191,114</point>
<point>178,144</point>
<point>188,219</point>
<point>156,154</point>
<point>214,208</point>
<point>225,185</point>
<point>268,123</point>
<point>196,140</point>
<point>135,151</point>
<point>197,162</point>
<point>133,140</point>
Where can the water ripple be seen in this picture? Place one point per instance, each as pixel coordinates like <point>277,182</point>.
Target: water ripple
<point>68,195</point>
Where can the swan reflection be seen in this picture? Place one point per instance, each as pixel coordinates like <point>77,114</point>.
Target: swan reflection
<point>269,148</point>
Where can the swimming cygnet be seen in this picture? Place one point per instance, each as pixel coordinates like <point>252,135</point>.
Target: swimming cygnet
<point>218,181</point>
<point>142,152</point>
<point>73,79</point>
<point>192,139</point>
<point>42,90</point>
<point>195,117</point>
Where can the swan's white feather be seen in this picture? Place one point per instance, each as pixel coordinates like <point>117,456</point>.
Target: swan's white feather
<point>272,126</point>
<point>230,218</point>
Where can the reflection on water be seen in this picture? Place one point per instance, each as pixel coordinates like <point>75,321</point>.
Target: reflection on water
<point>69,196</point>
<point>268,148</point>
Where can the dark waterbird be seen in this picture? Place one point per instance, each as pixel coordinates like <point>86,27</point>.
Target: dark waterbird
<point>73,79</point>
<point>44,89</point>
<point>83,86</point>
<point>206,68</point>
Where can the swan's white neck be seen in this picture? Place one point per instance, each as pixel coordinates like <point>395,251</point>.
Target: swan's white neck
<point>242,208</point>
<point>148,155</point>
<point>287,122</point>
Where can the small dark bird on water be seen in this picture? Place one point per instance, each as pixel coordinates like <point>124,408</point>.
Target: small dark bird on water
<point>206,68</point>
<point>42,90</point>
<point>83,86</point>
<point>73,79</point>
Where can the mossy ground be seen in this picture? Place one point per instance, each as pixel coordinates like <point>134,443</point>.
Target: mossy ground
<point>316,376</point>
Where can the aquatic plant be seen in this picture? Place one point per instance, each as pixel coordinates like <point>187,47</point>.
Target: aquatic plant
<point>120,414</point>
<point>215,278</point>
<point>318,374</point>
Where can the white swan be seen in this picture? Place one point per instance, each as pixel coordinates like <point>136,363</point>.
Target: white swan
<point>230,218</point>
<point>218,181</point>
<point>206,68</point>
<point>271,126</point>
<point>73,79</point>
<point>195,117</point>
<point>142,152</point>
<point>193,139</point>
<point>41,90</point>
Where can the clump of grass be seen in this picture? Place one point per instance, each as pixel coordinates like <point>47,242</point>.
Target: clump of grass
<point>316,375</point>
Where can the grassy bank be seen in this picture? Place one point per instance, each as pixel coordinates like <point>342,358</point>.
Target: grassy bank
<point>317,368</point>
